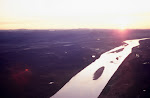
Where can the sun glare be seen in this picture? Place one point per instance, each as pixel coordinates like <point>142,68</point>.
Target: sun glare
<point>73,14</point>
<point>122,27</point>
<point>122,23</point>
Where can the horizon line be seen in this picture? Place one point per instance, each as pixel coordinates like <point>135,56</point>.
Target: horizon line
<point>75,29</point>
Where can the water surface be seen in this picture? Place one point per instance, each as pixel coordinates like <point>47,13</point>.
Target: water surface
<point>83,85</point>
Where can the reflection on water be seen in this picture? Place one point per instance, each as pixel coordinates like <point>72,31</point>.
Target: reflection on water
<point>51,82</point>
<point>83,85</point>
<point>93,56</point>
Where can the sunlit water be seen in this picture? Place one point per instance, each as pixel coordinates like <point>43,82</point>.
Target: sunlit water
<point>83,85</point>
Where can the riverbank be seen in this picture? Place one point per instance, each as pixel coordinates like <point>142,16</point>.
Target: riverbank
<point>90,82</point>
<point>38,63</point>
<point>132,78</point>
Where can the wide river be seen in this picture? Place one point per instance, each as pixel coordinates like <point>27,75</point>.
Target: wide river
<point>90,82</point>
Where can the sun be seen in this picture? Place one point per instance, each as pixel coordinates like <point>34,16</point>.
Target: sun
<point>122,23</point>
<point>122,27</point>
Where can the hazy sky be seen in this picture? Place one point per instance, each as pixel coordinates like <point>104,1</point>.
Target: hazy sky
<point>66,14</point>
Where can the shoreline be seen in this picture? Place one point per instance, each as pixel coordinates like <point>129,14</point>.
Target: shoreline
<point>132,78</point>
<point>49,59</point>
<point>84,84</point>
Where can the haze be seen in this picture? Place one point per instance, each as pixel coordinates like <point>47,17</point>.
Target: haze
<point>69,14</point>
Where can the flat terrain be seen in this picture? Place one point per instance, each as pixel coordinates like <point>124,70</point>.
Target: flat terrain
<point>37,63</point>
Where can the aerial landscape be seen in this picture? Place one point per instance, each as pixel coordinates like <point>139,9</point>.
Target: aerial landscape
<point>74,49</point>
<point>37,63</point>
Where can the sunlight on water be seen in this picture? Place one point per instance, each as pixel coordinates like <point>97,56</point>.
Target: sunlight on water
<point>51,83</point>
<point>84,86</point>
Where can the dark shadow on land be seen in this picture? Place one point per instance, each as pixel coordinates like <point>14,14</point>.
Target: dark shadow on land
<point>98,73</point>
<point>119,50</point>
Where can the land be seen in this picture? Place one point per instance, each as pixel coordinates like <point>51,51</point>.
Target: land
<point>38,63</point>
<point>132,78</point>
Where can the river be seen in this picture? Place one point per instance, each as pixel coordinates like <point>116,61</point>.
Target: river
<point>90,82</point>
